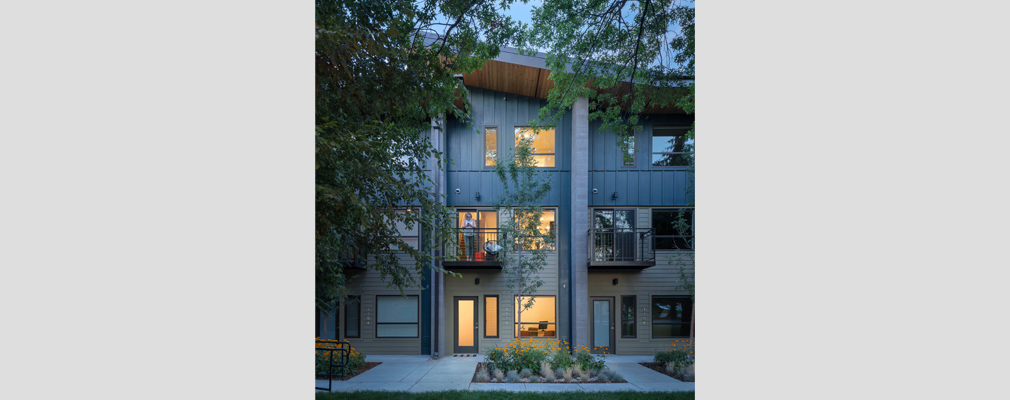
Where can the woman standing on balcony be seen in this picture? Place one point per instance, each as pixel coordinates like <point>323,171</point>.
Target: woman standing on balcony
<point>468,228</point>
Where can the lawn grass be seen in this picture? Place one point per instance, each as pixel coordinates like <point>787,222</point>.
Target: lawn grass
<point>504,395</point>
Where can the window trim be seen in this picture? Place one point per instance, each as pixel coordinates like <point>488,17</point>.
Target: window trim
<point>497,315</point>
<point>497,145</point>
<point>516,322</point>
<point>634,316</point>
<point>377,323</point>
<point>688,312</point>
<point>685,237</point>
<point>653,151</point>
<point>515,135</point>
<point>346,315</point>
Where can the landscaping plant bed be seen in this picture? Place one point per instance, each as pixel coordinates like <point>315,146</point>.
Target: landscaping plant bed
<point>537,378</point>
<point>658,367</point>
<point>368,366</point>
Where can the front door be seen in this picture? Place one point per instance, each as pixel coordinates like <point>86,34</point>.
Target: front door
<point>465,325</point>
<point>602,323</point>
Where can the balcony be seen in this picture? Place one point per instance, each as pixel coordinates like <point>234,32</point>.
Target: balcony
<point>473,250</point>
<point>619,249</point>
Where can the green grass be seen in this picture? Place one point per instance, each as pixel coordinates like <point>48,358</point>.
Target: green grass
<point>503,395</point>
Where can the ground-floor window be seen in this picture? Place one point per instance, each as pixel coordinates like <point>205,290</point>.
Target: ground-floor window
<point>490,316</point>
<point>628,316</point>
<point>396,316</point>
<point>538,320</point>
<point>671,316</point>
<point>352,317</point>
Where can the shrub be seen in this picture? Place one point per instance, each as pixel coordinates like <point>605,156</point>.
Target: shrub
<point>483,376</point>
<point>587,361</point>
<point>519,354</point>
<point>561,359</point>
<point>615,377</point>
<point>355,360</point>
<point>545,369</point>
<point>584,376</point>
<point>534,379</point>
<point>526,373</point>
<point>567,374</point>
<point>512,376</point>
<point>499,375</point>
<point>577,369</point>
<point>550,379</point>
<point>676,357</point>
<point>686,372</point>
<point>602,376</point>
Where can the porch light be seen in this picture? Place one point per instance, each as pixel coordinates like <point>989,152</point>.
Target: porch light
<point>478,195</point>
<point>476,281</point>
<point>614,196</point>
<point>615,281</point>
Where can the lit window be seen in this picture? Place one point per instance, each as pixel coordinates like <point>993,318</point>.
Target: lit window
<point>671,147</point>
<point>490,146</point>
<point>543,145</point>
<point>671,316</point>
<point>546,225</point>
<point>396,316</point>
<point>537,320</point>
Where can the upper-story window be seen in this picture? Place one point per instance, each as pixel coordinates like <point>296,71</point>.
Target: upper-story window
<point>543,145</point>
<point>546,225</point>
<point>674,228</point>
<point>490,145</point>
<point>628,156</point>
<point>408,234</point>
<point>670,146</point>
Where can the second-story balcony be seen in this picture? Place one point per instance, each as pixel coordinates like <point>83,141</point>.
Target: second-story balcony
<point>621,248</point>
<point>475,248</point>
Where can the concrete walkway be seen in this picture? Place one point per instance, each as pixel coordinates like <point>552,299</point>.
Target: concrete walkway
<point>422,374</point>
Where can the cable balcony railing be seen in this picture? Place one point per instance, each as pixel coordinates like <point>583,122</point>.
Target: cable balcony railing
<point>622,247</point>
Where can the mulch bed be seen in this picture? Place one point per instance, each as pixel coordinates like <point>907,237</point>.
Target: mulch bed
<point>658,367</point>
<point>485,365</point>
<point>368,366</point>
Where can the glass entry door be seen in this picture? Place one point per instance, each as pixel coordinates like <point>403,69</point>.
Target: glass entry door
<point>465,326</point>
<point>602,323</point>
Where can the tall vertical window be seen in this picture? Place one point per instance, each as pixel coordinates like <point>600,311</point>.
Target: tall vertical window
<point>628,316</point>
<point>352,317</point>
<point>671,147</point>
<point>628,155</point>
<point>490,146</point>
<point>543,145</point>
<point>538,320</point>
<point>671,316</point>
<point>396,316</point>
<point>674,228</point>
<point>490,316</point>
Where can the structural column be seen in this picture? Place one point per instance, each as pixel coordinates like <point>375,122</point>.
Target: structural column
<point>438,126</point>
<point>580,223</point>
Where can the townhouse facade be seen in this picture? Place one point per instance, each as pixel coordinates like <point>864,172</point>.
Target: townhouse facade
<point>622,227</point>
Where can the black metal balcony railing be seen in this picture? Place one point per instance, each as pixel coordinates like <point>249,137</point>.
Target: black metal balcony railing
<point>622,246</point>
<point>476,245</point>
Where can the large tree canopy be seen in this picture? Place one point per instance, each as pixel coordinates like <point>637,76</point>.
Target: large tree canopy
<point>623,55</point>
<point>384,70</point>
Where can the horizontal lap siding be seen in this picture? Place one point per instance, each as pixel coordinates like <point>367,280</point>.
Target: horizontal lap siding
<point>368,283</point>
<point>493,283</point>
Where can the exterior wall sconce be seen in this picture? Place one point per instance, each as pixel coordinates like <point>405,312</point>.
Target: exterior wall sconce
<point>457,190</point>
<point>594,190</point>
<point>478,195</point>
<point>476,281</point>
<point>614,196</point>
<point>615,281</point>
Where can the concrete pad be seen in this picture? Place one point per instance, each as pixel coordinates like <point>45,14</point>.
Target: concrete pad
<point>394,387</point>
<point>607,387</point>
<point>666,387</point>
<point>510,387</point>
<point>635,373</point>
<point>553,387</point>
<point>438,387</point>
